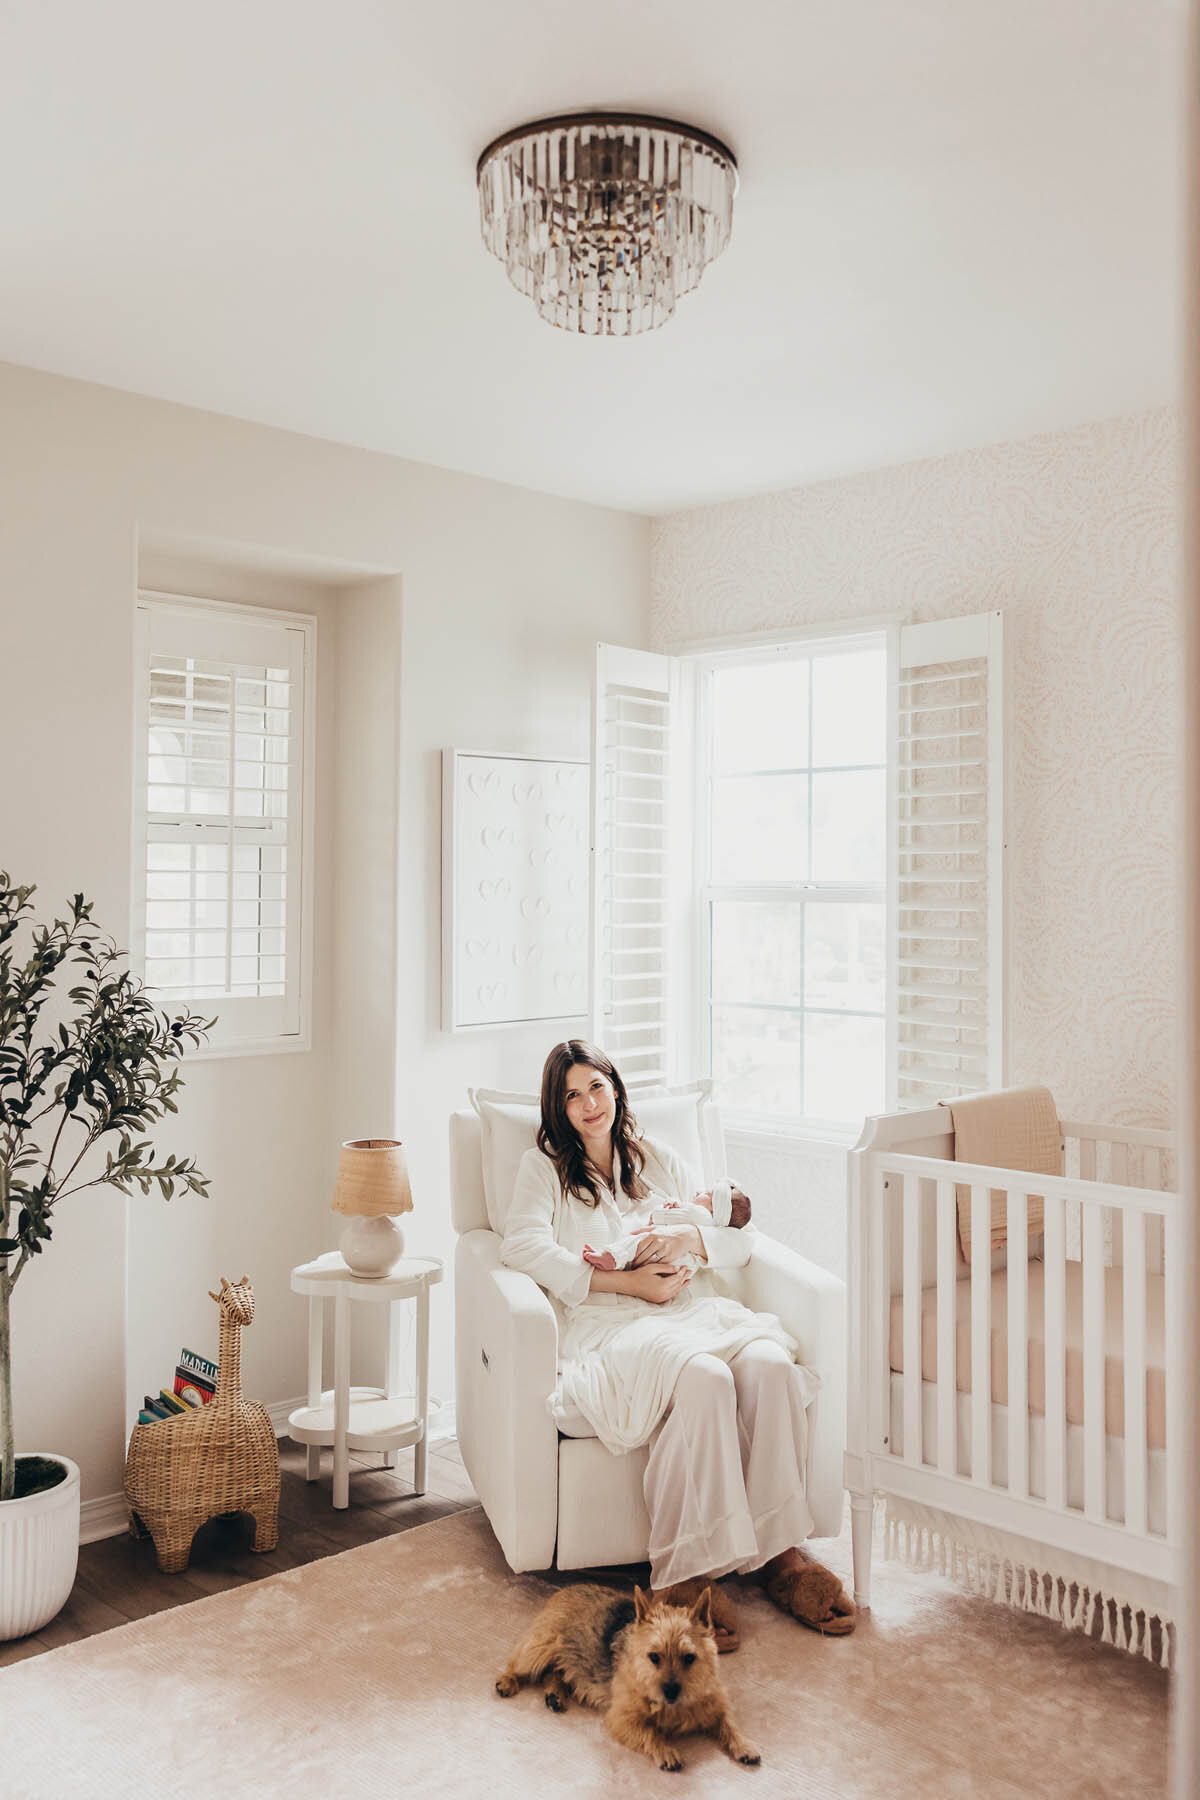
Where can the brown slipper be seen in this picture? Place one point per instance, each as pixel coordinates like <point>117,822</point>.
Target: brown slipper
<point>811,1593</point>
<point>724,1613</point>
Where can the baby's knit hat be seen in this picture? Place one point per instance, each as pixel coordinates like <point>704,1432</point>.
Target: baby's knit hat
<point>722,1196</point>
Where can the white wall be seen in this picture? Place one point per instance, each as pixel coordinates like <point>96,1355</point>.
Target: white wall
<point>453,612</point>
<point>1075,536</point>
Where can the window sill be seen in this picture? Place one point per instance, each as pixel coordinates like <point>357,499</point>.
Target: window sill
<point>278,1046</point>
<point>763,1135</point>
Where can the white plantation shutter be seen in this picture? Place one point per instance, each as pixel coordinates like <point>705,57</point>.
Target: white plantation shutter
<point>220,802</point>
<point>948,937</point>
<point>631,923</point>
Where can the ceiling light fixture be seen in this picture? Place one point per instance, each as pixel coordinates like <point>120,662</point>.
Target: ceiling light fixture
<point>604,219</point>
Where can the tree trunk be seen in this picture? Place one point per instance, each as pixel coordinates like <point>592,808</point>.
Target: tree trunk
<point>8,1459</point>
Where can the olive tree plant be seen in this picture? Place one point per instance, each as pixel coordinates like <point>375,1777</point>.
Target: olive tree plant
<point>88,1079</point>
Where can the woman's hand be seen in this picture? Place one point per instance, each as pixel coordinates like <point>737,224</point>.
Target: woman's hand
<point>663,1243</point>
<point>658,1283</point>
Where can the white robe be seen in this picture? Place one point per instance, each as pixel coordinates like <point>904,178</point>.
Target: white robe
<point>620,1357</point>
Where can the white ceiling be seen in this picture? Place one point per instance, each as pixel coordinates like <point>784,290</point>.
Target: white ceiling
<point>956,226</point>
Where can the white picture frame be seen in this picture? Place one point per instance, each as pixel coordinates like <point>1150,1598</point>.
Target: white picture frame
<point>515,879</point>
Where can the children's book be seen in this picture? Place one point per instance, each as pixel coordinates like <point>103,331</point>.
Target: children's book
<point>197,1374</point>
<point>172,1402</point>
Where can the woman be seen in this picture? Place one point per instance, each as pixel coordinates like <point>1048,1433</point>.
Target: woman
<point>650,1356</point>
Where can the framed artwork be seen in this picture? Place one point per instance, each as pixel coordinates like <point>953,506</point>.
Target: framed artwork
<point>515,860</point>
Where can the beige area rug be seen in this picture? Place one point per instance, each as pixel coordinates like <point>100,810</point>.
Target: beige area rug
<point>370,1674</point>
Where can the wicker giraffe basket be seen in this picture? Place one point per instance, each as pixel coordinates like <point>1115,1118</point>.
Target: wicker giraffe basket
<point>222,1458</point>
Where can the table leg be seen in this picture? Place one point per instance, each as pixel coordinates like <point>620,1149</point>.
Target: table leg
<point>316,1328</point>
<point>341,1401</point>
<point>420,1453</point>
<point>393,1365</point>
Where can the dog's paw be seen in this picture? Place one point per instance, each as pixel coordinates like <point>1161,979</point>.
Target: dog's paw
<point>556,1703</point>
<point>506,1686</point>
<point>670,1759</point>
<point>750,1754</point>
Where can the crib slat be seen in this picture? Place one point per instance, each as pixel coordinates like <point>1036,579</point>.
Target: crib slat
<point>947,1320</point>
<point>1118,1174</point>
<point>1018,1343</point>
<point>881,1302</point>
<point>1172,1276</point>
<point>1093,1360</point>
<point>981,1336</point>
<point>1087,1159</point>
<point>913,1447</point>
<point>1134,1348</point>
<point>1152,1177</point>
<point>1055,1294</point>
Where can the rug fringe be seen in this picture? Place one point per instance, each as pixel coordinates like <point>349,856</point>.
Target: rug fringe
<point>1009,1580</point>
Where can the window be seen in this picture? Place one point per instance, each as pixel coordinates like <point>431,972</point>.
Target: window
<point>793,926</point>
<point>798,870</point>
<point>223,816</point>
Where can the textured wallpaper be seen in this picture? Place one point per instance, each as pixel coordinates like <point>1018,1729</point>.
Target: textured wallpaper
<point>1075,537</point>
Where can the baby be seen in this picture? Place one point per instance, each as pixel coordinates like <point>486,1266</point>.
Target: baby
<point>723,1204</point>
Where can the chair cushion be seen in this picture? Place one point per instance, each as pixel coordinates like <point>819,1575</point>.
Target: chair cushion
<point>684,1119</point>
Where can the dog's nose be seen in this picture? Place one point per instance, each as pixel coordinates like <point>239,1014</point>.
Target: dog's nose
<point>671,1691</point>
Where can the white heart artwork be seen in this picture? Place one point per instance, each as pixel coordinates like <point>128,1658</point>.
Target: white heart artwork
<point>515,888</point>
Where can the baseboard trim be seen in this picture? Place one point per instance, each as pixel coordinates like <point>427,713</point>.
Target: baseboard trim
<point>104,1517</point>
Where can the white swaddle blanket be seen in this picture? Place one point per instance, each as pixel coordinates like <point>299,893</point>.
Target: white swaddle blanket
<point>619,1369</point>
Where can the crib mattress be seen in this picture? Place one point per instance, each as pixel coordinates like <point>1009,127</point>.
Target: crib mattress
<point>1114,1367</point>
<point>1114,1455</point>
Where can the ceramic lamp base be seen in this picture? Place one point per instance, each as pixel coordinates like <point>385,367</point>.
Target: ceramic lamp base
<point>371,1247</point>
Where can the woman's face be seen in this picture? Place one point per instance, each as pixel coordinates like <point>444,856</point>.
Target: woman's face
<point>591,1104</point>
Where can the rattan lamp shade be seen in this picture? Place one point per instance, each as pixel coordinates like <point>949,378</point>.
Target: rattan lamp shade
<point>371,1188</point>
<point>372,1179</point>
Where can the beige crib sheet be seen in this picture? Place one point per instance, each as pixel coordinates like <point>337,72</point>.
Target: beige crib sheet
<point>1114,1370</point>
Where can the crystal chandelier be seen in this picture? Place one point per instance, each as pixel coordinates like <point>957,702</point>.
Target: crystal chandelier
<point>604,219</point>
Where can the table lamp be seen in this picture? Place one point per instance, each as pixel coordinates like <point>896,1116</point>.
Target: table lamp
<point>372,1186</point>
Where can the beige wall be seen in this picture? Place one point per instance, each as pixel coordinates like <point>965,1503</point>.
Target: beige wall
<point>452,612</point>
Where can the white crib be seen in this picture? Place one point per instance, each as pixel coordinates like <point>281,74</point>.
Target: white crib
<point>1013,1418</point>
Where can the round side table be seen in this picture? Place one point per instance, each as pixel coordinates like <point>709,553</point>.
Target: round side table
<point>363,1418</point>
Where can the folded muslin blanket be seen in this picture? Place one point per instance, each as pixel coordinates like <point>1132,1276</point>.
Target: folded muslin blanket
<point>1012,1128</point>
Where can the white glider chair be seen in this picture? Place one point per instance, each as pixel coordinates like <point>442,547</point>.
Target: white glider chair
<point>566,1500</point>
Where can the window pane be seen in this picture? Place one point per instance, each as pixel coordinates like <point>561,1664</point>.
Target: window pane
<point>757,1059</point>
<point>760,717</point>
<point>844,956</point>
<point>760,828</point>
<point>843,1066</point>
<point>757,951</point>
<point>849,821</point>
<point>849,708</point>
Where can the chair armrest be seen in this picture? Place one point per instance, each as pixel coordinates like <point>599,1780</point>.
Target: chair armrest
<point>810,1303</point>
<point>506,1357</point>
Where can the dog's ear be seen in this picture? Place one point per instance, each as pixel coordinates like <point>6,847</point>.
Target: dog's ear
<point>701,1609</point>
<point>642,1604</point>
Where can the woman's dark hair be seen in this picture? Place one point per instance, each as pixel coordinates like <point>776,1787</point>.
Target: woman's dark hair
<point>560,1141</point>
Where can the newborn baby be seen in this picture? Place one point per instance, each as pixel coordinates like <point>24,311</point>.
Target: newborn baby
<point>723,1204</point>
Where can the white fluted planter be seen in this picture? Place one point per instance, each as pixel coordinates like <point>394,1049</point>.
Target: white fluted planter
<point>39,1549</point>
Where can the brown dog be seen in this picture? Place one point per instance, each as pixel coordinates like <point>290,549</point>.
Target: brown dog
<point>650,1668</point>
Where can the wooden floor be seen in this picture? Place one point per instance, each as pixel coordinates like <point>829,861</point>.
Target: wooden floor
<point>118,1579</point>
